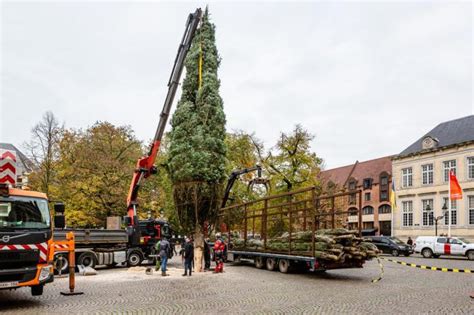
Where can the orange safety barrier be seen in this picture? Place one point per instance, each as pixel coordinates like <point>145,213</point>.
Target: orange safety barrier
<point>69,245</point>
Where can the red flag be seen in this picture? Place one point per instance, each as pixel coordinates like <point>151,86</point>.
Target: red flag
<point>456,191</point>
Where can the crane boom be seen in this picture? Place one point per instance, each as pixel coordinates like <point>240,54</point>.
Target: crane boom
<point>145,165</point>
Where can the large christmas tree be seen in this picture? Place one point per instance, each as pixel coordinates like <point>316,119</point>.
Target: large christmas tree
<point>197,148</point>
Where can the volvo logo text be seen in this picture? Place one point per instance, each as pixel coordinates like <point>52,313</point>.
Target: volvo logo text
<point>6,238</point>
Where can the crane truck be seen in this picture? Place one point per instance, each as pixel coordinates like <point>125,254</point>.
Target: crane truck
<point>136,243</point>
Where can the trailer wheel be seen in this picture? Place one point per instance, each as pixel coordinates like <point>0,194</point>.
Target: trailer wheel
<point>271,264</point>
<point>134,259</point>
<point>87,259</point>
<point>61,264</point>
<point>259,262</point>
<point>284,265</point>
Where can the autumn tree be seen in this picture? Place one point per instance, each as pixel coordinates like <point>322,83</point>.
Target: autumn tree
<point>94,172</point>
<point>43,150</point>
<point>291,163</point>
<point>197,139</point>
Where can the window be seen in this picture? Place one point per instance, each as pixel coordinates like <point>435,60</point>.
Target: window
<point>353,211</point>
<point>442,240</point>
<point>427,174</point>
<point>407,177</point>
<point>352,199</point>
<point>368,225</point>
<point>368,183</point>
<point>470,167</point>
<point>385,209</point>
<point>407,208</point>
<point>352,185</point>
<point>383,187</point>
<point>449,166</point>
<point>454,208</point>
<point>368,210</point>
<point>367,197</point>
<point>471,209</point>
<point>427,205</point>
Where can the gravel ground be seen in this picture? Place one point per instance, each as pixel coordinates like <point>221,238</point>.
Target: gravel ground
<point>245,289</point>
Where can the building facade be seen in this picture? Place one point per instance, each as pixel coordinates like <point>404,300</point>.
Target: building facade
<point>373,179</point>
<point>421,177</point>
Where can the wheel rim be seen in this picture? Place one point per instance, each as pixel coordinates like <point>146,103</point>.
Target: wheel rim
<point>270,264</point>
<point>283,265</point>
<point>134,259</point>
<point>61,264</point>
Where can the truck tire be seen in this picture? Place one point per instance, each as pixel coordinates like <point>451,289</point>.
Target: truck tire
<point>87,259</point>
<point>135,258</point>
<point>271,264</point>
<point>259,262</point>
<point>284,265</point>
<point>470,255</point>
<point>427,253</point>
<point>37,290</point>
<point>61,264</point>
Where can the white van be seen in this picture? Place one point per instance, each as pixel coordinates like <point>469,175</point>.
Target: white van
<point>434,246</point>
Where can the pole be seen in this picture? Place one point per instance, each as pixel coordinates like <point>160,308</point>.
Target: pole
<point>392,223</point>
<point>449,205</point>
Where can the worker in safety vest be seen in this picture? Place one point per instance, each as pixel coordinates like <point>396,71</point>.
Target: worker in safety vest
<point>219,248</point>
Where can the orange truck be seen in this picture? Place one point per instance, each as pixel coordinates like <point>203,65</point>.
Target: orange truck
<point>26,239</point>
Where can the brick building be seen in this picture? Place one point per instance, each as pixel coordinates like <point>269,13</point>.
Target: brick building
<point>373,178</point>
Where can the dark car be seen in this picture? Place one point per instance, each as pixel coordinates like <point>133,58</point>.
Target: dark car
<point>391,245</point>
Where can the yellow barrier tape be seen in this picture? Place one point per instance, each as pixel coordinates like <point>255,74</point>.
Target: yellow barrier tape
<point>443,269</point>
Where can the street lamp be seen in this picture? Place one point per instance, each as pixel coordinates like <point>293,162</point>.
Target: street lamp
<point>436,219</point>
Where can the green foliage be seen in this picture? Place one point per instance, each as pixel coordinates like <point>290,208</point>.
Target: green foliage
<point>291,163</point>
<point>197,149</point>
<point>197,152</point>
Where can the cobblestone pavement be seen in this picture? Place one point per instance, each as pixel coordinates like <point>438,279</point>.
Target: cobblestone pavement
<point>245,289</point>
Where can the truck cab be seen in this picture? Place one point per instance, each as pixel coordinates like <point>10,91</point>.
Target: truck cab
<point>25,240</point>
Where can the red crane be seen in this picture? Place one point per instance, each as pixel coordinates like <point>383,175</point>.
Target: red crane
<point>145,165</point>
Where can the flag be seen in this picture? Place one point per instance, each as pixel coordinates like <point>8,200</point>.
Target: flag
<point>393,200</point>
<point>454,188</point>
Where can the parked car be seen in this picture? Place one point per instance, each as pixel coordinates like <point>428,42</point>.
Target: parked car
<point>434,246</point>
<point>391,245</point>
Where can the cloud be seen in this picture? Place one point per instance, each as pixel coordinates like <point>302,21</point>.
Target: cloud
<point>366,78</point>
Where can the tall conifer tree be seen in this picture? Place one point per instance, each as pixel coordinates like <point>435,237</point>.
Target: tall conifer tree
<point>197,139</point>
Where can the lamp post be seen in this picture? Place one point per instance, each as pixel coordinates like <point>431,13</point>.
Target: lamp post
<point>436,219</point>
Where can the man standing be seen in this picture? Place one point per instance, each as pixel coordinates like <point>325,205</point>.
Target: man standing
<point>188,257</point>
<point>164,251</point>
<point>207,255</point>
<point>219,248</point>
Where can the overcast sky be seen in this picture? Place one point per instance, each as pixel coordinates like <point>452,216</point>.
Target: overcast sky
<point>366,78</point>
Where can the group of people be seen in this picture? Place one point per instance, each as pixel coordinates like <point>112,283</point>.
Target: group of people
<point>187,253</point>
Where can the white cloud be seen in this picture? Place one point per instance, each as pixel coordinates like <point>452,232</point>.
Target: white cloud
<point>367,78</point>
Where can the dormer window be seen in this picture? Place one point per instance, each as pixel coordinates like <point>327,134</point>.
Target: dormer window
<point>352,185</point>
<point>429,143</point>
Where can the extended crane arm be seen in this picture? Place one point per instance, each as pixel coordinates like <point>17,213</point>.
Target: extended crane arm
<point>234,175</point>
<point>145,165</point>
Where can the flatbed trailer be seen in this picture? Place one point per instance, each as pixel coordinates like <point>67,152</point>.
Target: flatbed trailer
<point>301,211</point>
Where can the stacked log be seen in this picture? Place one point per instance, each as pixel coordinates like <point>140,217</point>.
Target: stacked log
<point>336,245</point>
